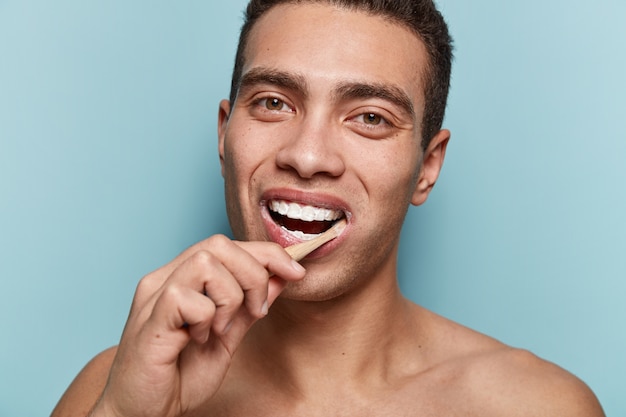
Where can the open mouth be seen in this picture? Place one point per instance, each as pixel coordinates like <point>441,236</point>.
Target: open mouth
<point>303,221</point>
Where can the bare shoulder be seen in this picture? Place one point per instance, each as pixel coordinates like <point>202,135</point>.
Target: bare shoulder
<point>86,388</point>
<point>517,382</point>
<point>479,375</point>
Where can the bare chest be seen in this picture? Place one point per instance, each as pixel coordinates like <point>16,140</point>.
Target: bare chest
<point>411,401</point>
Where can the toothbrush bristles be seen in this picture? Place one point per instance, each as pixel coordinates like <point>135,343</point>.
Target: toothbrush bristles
<point>302,249</point>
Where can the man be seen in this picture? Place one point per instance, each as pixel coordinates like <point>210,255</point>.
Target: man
<point>335,113</point>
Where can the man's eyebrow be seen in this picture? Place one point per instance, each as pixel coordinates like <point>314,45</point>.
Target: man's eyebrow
<point>393,94</point>
<point>282,79</point>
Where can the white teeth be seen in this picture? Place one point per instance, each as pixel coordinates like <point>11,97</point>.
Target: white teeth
<point>300,235</point>
<point>308,213</point>
<point>304,212</point>
<point>294,211</point>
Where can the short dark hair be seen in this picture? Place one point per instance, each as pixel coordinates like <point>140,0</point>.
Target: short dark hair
<point>420,16</point>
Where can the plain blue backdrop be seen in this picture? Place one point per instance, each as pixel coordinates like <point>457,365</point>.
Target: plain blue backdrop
<point>109,168</point>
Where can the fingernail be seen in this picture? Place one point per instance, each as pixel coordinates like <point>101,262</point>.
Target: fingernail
<point>227,328</point>
<point>295,265</point>
<point>265,309</point>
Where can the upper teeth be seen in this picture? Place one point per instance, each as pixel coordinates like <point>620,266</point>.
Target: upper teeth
<point>304,212</point>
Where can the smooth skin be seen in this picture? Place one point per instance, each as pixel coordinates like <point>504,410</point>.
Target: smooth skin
<point>208,334</point>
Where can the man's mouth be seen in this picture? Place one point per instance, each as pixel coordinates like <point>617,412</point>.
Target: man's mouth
<point>303,221</point>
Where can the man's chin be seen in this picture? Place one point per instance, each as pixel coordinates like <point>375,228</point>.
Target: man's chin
<point>311,289</point>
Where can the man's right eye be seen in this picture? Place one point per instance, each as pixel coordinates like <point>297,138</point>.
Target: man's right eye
<point>274,104</point>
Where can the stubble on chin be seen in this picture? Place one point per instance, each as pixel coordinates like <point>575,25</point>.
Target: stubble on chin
<point>356,270</point>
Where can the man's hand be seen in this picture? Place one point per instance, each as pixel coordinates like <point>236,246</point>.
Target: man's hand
<point>187,320</point>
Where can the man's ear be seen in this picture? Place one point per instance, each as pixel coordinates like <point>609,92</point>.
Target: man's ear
<point>222,122</point>
<point>432,161</point>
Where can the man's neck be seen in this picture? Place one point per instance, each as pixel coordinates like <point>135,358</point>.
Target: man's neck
<point>364,335</point>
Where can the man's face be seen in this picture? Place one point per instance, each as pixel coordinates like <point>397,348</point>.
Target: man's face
<point>326,124</point>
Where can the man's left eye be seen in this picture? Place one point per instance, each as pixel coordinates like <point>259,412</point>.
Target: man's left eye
<point>371,119</point>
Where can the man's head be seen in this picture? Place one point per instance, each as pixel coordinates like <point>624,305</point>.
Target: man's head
<point>420,16</point>
<point>326,124</point>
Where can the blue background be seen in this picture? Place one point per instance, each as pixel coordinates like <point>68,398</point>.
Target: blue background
<point>108,169</point>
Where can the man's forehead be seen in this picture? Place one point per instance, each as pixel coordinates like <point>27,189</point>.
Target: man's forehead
<point>298,33</point>
<point>281,11</point>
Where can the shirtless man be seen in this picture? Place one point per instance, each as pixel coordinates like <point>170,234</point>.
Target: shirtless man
<point>336,108</point>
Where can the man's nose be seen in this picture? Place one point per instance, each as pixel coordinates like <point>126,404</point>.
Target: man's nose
<point>313,148</point>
